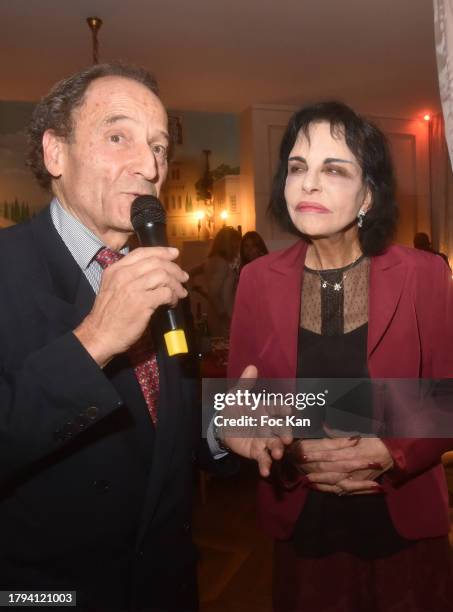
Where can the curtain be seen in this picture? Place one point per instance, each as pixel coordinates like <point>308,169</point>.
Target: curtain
<point>441,189</point>
<point>441,133</point>
<point>443,31</point>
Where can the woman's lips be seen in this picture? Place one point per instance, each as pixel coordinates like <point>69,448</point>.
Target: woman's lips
<point>312,207</point>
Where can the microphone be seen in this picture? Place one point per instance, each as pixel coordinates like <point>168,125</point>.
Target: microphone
<point>149,219</point>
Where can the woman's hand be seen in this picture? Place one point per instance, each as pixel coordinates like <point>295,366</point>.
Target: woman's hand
<point>344,465</point>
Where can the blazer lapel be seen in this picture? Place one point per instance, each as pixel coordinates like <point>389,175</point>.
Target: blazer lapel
<point>283,298</point>
<point>70,296</point>
<point>164,437</point>
<point>387,277</point>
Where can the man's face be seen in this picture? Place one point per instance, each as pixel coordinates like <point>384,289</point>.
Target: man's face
<point>117,151</point>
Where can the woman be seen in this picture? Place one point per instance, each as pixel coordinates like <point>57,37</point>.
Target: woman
<point>364,526</point>
<point>252,247</point>
<point>221,274</point>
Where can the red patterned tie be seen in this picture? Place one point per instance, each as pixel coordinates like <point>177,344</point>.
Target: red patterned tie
<point>141,354</point>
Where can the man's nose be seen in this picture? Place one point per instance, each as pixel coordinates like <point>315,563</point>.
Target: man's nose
<point>146,164</point>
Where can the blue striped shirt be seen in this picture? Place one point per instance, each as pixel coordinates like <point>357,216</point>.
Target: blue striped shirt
<point>80,241</point>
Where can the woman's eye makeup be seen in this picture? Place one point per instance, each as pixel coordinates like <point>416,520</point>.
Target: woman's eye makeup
<point>329,167</point>
<point>336,170</point>
<point>330,170</point>
<point>294,168</point>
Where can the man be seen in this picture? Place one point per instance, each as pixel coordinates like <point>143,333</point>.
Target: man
<point>95,469</point>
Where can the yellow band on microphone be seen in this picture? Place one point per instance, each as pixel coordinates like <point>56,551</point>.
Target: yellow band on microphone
<point>175,341</point>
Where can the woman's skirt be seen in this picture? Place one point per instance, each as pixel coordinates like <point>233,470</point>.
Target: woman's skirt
<point>418,578</point>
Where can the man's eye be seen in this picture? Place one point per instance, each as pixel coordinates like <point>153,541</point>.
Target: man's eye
<point>116,138</point>
<point>160,151</point>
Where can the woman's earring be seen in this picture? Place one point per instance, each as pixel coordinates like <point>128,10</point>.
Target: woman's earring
<point>360,216</point>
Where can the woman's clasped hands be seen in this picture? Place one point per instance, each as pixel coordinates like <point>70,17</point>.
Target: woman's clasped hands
<point>342,465</point>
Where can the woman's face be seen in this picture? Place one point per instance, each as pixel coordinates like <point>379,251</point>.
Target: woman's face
<point>250,249</point>
<point>324,188</point>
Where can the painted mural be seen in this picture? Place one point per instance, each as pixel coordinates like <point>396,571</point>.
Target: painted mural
<point>20,195</point>
<point>202,190</point>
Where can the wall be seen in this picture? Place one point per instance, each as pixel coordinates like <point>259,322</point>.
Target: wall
<point>409,141</point>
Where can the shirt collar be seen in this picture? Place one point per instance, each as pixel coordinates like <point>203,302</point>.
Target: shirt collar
<point>81,242</point>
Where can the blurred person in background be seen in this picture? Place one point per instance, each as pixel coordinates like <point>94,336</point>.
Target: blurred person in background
<point>252,246</point>
<point>422,242</point>
<point>221,271</point>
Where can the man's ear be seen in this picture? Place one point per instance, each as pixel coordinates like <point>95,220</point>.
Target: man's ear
<point>53,150</point>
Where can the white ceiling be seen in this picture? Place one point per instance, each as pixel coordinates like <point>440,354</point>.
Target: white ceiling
<point>224,55</point>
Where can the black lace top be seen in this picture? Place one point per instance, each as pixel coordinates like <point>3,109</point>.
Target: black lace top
<point>333,344</point>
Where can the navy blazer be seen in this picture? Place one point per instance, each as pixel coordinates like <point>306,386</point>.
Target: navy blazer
<point>92,497</point>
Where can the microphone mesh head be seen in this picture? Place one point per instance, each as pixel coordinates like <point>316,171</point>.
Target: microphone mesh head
<point>147,209</point>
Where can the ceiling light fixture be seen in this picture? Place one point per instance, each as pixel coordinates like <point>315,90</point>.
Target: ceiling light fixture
<point>94,23</point>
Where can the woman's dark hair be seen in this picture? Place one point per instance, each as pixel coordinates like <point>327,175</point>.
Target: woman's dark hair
<point>370,147</point>
<point>258,242</point>
<point>226,243</point>
<point>55,111</point>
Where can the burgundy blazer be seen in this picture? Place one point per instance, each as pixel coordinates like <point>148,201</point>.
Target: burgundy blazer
<point>410,335</point>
